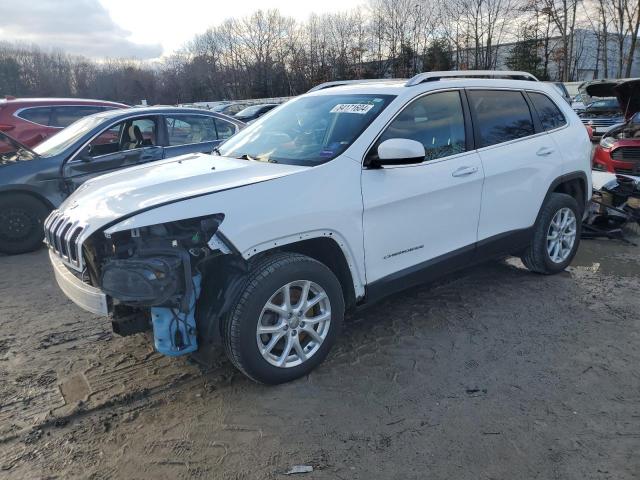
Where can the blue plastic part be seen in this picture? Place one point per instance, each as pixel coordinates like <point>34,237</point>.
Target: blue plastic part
<point>166,321</point>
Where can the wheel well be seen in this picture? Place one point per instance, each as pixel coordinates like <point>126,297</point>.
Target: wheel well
<point>328,252</point>
<point>31,194</point>
<point>574,187</point>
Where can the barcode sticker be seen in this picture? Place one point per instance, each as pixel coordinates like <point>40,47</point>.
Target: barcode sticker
<point>361,108</point>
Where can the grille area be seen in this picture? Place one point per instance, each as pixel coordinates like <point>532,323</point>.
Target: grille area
<point>61,235</point>
<point>626,154</point>
<point>600,122</point>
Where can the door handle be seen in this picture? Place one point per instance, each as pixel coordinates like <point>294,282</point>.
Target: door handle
<point>544,151</point>
<point>464,171</point>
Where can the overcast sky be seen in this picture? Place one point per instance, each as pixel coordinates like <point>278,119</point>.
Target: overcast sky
<point>143,29</point>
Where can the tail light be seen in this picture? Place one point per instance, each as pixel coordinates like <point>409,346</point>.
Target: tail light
<point>4,127</point>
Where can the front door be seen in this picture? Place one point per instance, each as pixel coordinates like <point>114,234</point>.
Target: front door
<point>416,216</point>
<point>128,143</point>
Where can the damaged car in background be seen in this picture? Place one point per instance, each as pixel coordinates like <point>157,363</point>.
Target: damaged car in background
<point>260,249</point>
<point>602,110</point>
<point>619,148</point>
<point>34,181</point>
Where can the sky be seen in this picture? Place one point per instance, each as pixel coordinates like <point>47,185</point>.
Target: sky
<point>144,29</point>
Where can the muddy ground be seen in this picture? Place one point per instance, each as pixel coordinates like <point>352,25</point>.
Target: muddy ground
<point>493,374</point>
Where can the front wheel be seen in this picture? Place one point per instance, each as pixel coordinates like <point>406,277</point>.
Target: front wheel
<point>556,236</point>
<point>286,319</point>
<point>21,223</point>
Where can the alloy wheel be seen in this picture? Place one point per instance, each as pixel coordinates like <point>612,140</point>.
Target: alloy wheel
<point>561,235</point>
<point>293,323</point>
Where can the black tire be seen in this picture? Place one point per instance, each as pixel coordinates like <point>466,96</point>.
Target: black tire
<point>266,276</point>
<point>535,257</point>
<point>21,223</point>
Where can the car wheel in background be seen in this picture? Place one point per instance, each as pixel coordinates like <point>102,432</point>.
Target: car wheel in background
<point>21,223</point>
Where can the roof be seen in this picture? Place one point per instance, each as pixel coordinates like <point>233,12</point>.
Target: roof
<point>124,113</point>
<point>60,100</point>
<point>409,89</point>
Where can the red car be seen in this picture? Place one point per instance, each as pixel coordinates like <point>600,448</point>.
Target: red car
<point>619,148</point>
<point>31,120</point>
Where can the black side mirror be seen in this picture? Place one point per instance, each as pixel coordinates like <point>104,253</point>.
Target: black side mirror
<point>85,154</point>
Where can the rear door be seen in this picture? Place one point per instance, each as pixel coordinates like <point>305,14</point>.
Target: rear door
<point>125,144</point>
<point>189,133</point>
<point>519,159</point>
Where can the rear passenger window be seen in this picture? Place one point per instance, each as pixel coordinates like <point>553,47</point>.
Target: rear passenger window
<point>66,115</point>
<point>186,129</point>
<point>500,116</point>
<point>225,129</point>
<point>39,115</point>
<point>550,115</point>
<point>435,120</point>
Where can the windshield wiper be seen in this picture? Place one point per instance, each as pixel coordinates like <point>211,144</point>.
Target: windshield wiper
<point>245,156</point>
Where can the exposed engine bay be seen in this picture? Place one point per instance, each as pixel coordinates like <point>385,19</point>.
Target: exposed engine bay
<point>152,275</point>
<point>630,130</point>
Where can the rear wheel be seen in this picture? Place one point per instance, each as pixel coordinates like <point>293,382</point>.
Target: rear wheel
<point>286,319</point>
<point>556,236</point>
<point>21,223</point>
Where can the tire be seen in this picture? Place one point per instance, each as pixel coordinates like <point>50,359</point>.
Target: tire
<point>21,223</point>
<point>267,280</point>
<point>537,257</point>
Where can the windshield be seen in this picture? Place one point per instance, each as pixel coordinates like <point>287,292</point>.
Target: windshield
<point>608,103</point>
<point>68,136</point>
<point>309,130</point>
<point>249,111</point>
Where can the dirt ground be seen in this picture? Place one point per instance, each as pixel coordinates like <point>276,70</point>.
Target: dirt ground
<point>491,374</point>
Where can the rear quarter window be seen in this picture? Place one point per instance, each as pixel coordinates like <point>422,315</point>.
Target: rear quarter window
<point>500,116</point>
<point>549,114</point>
<point>39,115</point>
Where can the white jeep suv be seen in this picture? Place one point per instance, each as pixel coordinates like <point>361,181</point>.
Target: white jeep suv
<point>331,201</point>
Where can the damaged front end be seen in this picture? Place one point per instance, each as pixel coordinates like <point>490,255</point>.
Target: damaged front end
<point>154,276</point>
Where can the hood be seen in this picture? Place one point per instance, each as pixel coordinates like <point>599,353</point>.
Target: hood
<point>111,197</point>
<point>12,151</point>
<point>626,92</point>
<point>628,95</point>
<point>603,89</point>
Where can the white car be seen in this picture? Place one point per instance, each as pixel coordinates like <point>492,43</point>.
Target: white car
<point>339,197</point>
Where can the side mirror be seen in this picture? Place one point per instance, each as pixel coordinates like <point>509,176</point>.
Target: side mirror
<point>85,154</point>
<point>400,151</point>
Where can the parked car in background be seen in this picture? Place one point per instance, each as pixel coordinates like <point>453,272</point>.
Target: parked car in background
<point>229,108</point>
<point>31,120</point>
<point>335,199</point>
<point>253,112</point>
<point>35,180</point>
<point>619,148</point>
<point>578,103</point>
<point>563,91</point>
<point>602,110</point>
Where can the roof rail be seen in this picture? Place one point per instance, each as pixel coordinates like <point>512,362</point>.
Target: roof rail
<point>435,76</point>
<point>338,83</point>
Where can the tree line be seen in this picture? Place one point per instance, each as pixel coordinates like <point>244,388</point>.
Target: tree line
<point>267,54</point>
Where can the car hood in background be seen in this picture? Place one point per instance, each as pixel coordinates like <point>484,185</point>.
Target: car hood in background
<point>120,194</point>
<point>628,95</point>
<point>627,92</point>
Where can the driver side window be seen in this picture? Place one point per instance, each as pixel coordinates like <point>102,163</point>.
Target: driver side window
<point>435,120</point>
<point>125,135</point>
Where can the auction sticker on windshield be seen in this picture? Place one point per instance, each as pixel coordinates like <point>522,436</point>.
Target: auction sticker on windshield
<point>360,108</point>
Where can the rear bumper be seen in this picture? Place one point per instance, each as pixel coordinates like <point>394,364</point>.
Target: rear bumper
<point>85,296</point>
